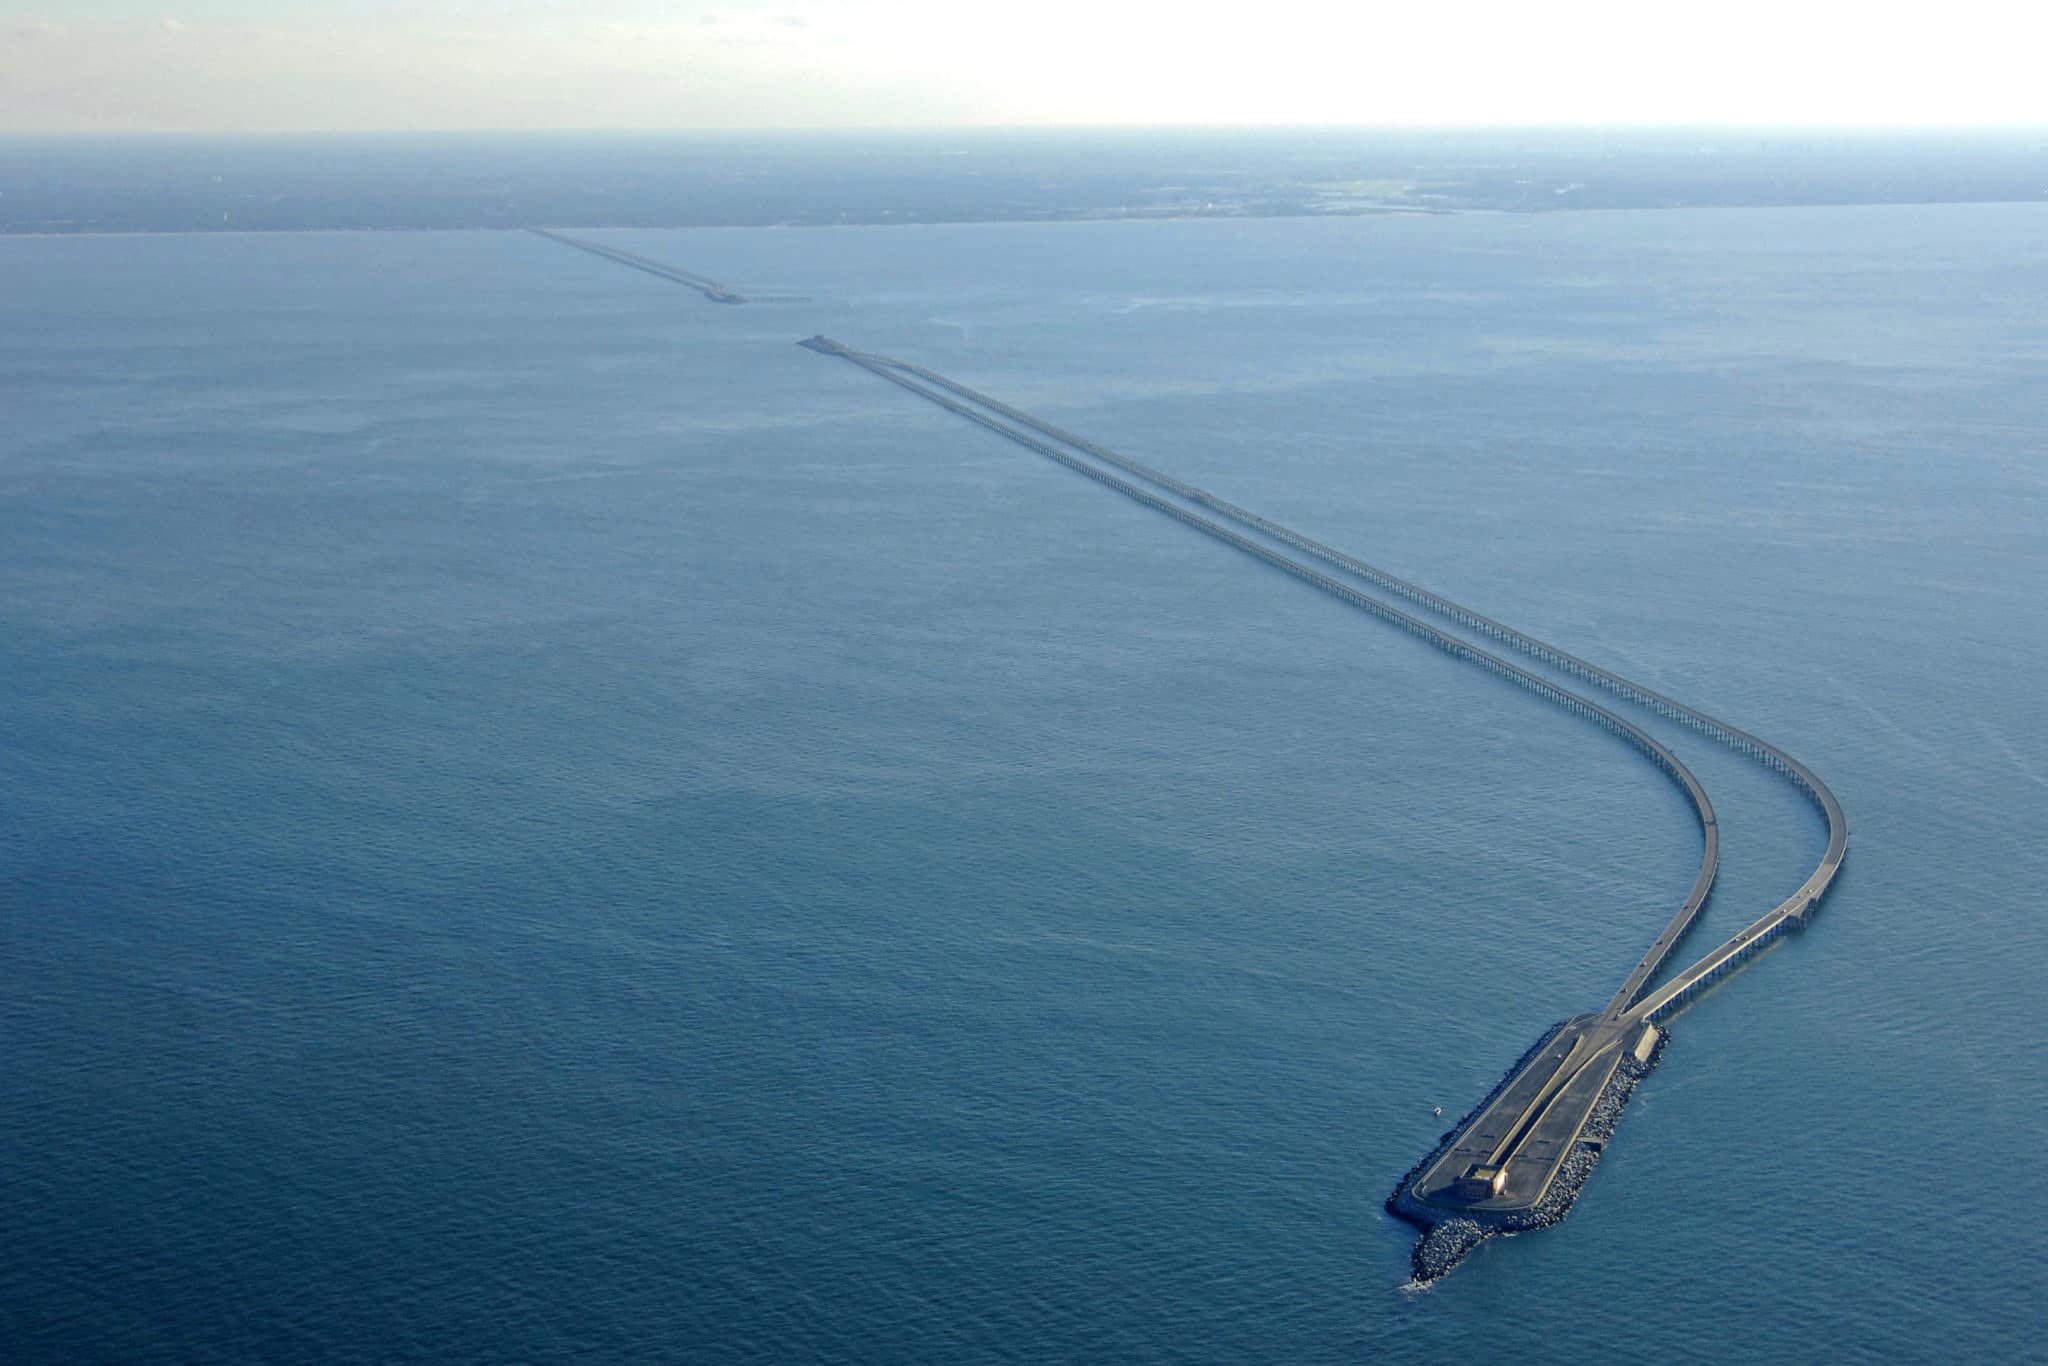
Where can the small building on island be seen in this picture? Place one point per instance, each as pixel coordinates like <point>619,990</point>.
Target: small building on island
<point>1481,1181</point>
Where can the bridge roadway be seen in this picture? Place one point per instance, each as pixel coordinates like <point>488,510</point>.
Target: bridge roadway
<point>703,284</point>
<point>1521,1137</point>
<point>1802,778</point>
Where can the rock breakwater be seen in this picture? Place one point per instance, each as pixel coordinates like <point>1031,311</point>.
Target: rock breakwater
<point>1448,1238</point>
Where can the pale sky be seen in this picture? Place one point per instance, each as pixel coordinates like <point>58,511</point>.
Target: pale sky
<point>276,65</point>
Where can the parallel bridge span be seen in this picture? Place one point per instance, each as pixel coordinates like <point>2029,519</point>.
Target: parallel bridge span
<point>900,373</point>
<point>1500,1164</point>
<point>1666,1000</point>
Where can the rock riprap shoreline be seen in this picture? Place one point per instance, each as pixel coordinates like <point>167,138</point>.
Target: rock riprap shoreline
<point>1449,1237</point>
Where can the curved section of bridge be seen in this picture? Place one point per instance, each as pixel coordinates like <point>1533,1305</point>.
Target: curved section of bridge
<point>948,395</point>
<point>1629,1001</point>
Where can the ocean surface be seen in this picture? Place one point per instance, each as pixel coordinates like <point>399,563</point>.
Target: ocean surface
<point>541,821</point>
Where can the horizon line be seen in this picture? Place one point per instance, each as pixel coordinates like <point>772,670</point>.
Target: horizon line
<point>822,130</point>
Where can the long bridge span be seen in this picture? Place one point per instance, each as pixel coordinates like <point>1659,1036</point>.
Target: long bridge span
<point>948,394</point>
<point>1504,1159</point>
<point>703,284</point>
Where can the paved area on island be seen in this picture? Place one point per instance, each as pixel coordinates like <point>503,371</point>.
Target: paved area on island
<point>1529,1128</point>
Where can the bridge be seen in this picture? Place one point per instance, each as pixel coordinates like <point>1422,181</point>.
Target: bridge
<point>1502,1162</point>
<point>703,284</point>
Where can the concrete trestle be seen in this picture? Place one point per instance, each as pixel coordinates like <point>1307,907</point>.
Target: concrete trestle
<point>1802,778</point>
<point>703,284</point>
<point>1644,743</point>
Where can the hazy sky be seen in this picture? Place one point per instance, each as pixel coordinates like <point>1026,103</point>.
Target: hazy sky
<point>448,64</point>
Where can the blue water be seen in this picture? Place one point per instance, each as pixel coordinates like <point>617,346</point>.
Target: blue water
<point>540,821</point>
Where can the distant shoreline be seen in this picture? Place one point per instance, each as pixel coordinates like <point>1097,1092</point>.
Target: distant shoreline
<point>1386,212</point>
<point>190,185</point>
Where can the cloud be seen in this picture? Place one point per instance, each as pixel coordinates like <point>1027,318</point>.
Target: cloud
<point>170,25</point>
<point>36,32</point>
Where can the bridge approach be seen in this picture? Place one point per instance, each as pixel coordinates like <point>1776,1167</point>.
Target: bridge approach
<point>703,284</point>
<point>1504,1159</point>
<point>1802,778</point>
